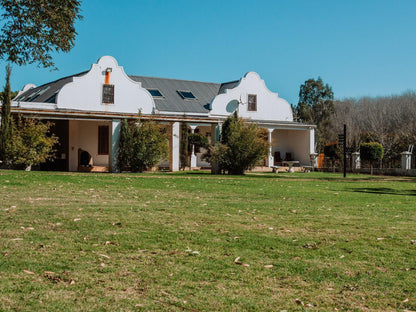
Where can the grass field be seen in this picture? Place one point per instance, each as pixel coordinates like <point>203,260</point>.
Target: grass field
<point>197,242</point>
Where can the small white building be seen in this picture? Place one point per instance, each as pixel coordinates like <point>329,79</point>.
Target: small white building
<point>87,108</point>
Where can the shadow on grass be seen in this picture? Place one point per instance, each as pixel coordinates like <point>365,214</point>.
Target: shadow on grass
<point>384,190</point>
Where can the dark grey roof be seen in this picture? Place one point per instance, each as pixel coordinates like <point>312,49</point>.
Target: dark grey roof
<point>46,93</point>
<point>228,85</point>
<point>172,101</point>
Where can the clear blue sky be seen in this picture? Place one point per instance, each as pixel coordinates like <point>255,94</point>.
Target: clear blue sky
<point>358,47</point>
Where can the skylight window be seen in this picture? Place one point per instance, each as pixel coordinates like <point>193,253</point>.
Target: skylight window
<point>187,95</point>
<point>155,93</point>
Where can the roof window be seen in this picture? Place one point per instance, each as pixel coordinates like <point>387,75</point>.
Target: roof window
<point>155,93</point>
<point>186,95</point>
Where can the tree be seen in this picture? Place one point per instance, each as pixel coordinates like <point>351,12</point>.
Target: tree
<point>388,120</point>
<point>33,29</point>
<point>332,151</point>
<point>371,152</point>
<point>143,144</point>
<point>198,141</point>
<point>183,147</point>
<point>6,121</point>
<point>125,144</point>
<point>316,106</point>
<point>242,146</point>
<point>31,143</point>
<point>149,147</point>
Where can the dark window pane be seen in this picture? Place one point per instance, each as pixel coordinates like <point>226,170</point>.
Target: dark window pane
<point>108,93</point>
<point>187,95</point>
<point>155,92</point>
<point>252,103</point>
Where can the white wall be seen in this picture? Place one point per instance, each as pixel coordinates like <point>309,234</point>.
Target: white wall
<point>269,105</point>
<point>84,135</point>
<point>295,142</point>
<point>85,92</point>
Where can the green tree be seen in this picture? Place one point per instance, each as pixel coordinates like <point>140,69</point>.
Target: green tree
<point>31,143</point>
<point>183,146</point>
<point>333,152</point>
<point>125,144</point>
<point>372,152</point>
<point>142,145</point>
<point>316,105</point>
<point>6,121</point>
<point>150,145</point>
<point>33,29</point>
<point>242,146</point>
<point>198,141</point>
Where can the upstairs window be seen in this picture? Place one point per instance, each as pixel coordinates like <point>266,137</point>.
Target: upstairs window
<point>187,95</point>
<point>103,140</point>
<point>155,93</point>
<point>108,94</point>
<point>252,103</point>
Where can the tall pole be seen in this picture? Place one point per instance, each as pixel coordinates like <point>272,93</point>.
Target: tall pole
<point>345,150</point>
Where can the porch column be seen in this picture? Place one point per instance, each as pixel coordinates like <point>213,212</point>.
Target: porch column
<point>193,156</point>
<point>174,147</point>
<point>271,157</point>
<point>311,140</point>
<point>115,135</point>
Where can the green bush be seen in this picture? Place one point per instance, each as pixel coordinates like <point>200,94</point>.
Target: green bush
<point>31,143</point>
<point>142,145</point>
<point>371,152</point>
<point>184,146</point>
<point>198,141</point>
<point>242,146</point>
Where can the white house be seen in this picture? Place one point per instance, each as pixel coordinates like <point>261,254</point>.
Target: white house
<point>87,108</point>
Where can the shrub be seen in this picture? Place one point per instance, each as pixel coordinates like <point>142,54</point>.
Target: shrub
<point>183,146</point>
<point>242,146</point>
<point>125,144</point>
<point>143,145</point>
<point>31,142</point>
<point>371,152</point>
<point>198,140</point>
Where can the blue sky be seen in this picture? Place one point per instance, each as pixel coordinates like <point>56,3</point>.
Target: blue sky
<point>360,48</point>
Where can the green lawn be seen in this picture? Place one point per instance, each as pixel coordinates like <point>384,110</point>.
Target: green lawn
<point>197,242</point>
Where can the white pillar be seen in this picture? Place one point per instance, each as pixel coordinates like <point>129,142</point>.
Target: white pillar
<point>174,147</point>
<point>193,156</point>
<point>356,160</point>
<point>311,140</point>
<point>115,136</point>
<point>406,160</point>
<point>271,157</point>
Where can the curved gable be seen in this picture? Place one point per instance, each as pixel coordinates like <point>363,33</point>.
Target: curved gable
<point>86,92</point>
<point>264,104</point>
